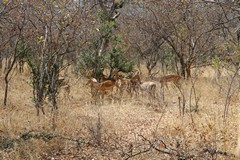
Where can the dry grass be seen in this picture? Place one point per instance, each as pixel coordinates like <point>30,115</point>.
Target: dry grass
<point>116,127</point>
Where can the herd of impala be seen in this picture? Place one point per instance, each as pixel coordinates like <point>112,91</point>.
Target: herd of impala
<point>132,85</point>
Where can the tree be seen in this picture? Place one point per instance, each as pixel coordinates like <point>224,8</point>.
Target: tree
<point>183,26</point>
<point>13,30</point>
<point>103,47</point>
<point>229,57</point>
<point>141,35</point>
<point>50,39</point>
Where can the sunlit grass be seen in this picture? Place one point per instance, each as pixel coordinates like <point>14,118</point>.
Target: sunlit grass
<point>120,123</point>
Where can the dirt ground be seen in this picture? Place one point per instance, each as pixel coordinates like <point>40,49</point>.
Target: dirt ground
<point>119,130</point>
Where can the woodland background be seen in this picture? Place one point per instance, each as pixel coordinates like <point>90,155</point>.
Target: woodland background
<point>42,41</point>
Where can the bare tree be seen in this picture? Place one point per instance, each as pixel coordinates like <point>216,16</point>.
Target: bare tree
<point>185,29</point>
<point>52,32</point>
<point>12,38</point>
<point>228,24</point>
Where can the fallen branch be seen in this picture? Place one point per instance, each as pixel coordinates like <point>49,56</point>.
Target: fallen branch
<point>6,143</point>
<point>171,151</point>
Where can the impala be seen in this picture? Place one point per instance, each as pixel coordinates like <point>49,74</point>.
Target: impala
<point>121,83</point>
<point>149,87</point>
<point>99,89</point>
<point>170,78</point>
<point>93,85</point>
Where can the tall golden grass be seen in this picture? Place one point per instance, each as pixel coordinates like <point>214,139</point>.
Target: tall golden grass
<point>118,125</point>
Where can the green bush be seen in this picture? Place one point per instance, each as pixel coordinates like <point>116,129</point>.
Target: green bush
<point>116,60</point>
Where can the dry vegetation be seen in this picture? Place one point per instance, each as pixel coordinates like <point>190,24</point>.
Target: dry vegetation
<point>117,131</point>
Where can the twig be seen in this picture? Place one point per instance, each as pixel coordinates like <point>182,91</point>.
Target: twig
<point>11,143</point>
<point>175,152</point>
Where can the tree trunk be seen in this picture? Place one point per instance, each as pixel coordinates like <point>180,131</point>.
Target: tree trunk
<point>1,62</point>
<point>182,67</point>
<point>39,106</point>
<point>188,70</point>
<point>21,65</point>
<point>149,68</point>
<point>6,92</point>
<point>9,69</point>
<point>139,65</point>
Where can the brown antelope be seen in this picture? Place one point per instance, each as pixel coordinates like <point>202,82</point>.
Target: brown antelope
<point>170,78</point>
<point>149,87</point>
<point>121,83</point>
<point>99,89</point>
<point>92,82</point>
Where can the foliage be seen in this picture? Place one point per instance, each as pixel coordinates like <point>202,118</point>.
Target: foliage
<point>89,61</point>
<point>113,59</point>
<point>39,77</point>
<point>116,60</point>
<point>104,49</point>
